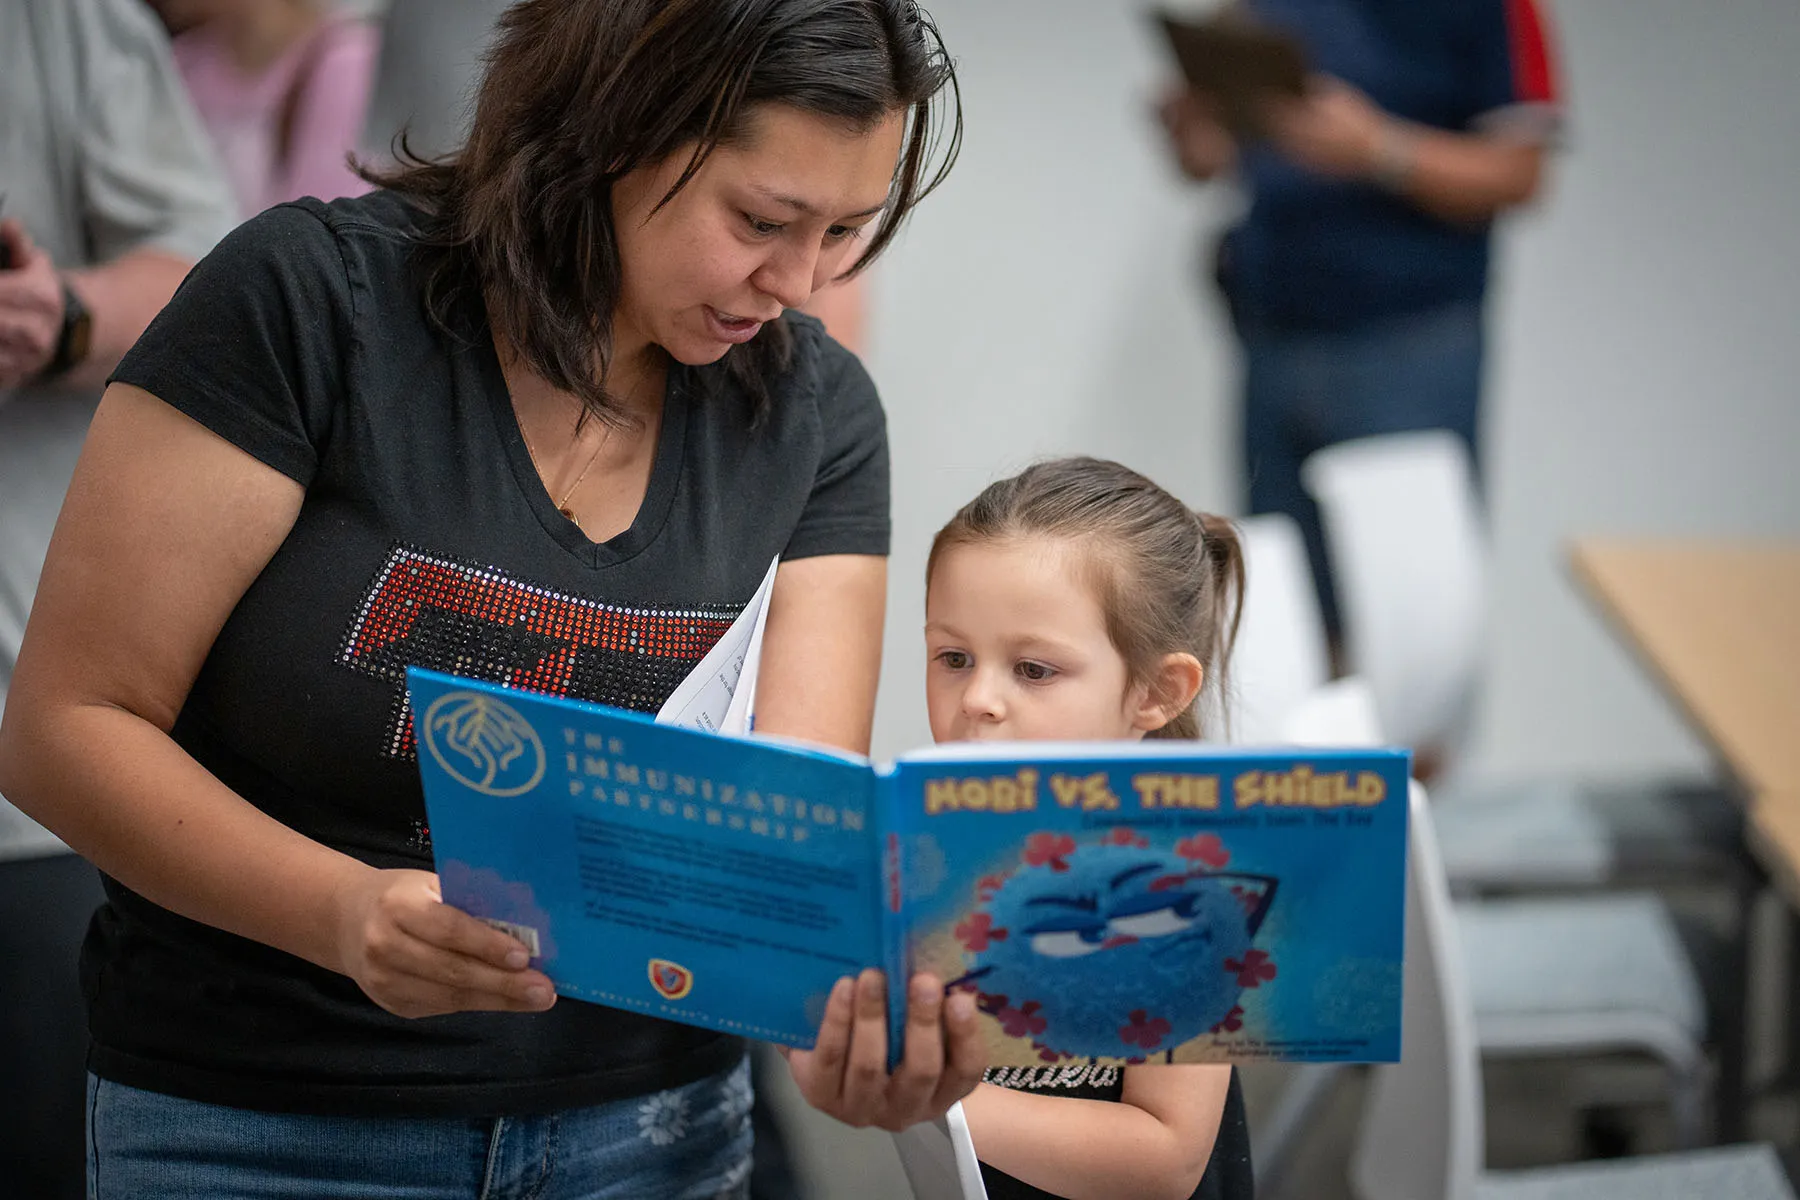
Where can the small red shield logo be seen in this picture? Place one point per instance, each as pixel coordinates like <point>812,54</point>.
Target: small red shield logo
<point>672,981</point>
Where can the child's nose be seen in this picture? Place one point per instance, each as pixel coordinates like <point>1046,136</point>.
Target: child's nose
<point>982,698</point>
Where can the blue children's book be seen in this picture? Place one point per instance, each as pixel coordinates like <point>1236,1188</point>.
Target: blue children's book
<point>1160,901</point>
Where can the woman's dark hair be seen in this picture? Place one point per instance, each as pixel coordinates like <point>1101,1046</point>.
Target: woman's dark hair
<point>579,93</point>
<point>1170,580</point>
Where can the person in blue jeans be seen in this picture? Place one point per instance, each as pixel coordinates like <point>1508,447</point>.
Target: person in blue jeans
<point>1357,276</point>
<point>539,412</point>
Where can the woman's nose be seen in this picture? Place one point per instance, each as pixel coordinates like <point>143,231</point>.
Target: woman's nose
<point>789,275</point>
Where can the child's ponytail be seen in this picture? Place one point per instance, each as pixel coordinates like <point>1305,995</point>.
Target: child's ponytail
<point>1223,552</point>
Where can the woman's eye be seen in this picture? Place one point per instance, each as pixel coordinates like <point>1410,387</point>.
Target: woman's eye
<point>838,233</point>
<point>1067,943</point>
<point>956,660</point>
<point>761,227</point>
<point>1158,922</point>
<point>1036,672</point>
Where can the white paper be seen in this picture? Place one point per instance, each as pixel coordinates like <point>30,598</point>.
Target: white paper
<point>740,717</point>
<point>719,694</point>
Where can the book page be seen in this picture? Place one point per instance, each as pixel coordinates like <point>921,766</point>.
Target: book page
<point>740,716</point>
<point>719,694</point>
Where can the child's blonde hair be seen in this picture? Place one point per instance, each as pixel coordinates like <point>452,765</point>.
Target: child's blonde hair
<point>1170,580</point>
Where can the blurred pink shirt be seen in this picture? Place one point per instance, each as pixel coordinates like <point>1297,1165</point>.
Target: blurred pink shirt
<point>242,112</point>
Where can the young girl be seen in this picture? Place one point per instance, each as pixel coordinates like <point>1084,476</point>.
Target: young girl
<point>1078,600</point>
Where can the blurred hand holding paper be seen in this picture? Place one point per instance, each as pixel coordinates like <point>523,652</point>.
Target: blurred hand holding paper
<point>1238,61</point>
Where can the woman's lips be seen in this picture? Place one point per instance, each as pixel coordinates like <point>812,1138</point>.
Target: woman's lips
<point>735,330</point>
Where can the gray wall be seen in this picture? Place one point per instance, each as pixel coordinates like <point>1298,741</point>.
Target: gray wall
<point>1646,375</point>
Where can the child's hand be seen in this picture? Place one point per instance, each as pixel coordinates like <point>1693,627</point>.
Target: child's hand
<point>845,1074</point>
<point>416,956</point>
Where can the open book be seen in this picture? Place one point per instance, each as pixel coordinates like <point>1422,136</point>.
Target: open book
<point>1121,902</point>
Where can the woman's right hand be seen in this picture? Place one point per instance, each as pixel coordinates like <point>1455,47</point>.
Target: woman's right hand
<point>416,956</point>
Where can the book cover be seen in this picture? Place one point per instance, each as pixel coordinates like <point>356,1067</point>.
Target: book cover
<point>1157,901</point>
<point>1161,901</point>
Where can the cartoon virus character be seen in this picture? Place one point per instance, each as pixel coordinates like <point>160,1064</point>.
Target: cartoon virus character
<point>1114,949</point>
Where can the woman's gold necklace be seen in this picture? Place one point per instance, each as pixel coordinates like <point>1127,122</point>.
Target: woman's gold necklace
<point>562,505</point>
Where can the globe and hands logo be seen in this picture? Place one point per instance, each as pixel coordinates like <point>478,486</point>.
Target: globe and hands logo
<point>484,743</point>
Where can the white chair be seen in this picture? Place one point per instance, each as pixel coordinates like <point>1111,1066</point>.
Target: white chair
<point>1421,1137</point>
<point>1280,656</point>
<point>1404,534</point>
<point>939,1158</point>
<point>1565,975</point>
<point>1402,524</point>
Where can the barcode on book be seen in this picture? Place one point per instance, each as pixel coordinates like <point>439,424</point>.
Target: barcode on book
<point>524,933</point>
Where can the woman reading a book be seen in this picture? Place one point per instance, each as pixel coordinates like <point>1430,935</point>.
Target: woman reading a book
<point>1079,601</point>
<point>534,413</point>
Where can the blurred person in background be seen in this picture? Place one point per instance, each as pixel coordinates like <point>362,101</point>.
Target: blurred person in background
<point>1356,279</point>
<point>110,193</point>
<point>283,87</point>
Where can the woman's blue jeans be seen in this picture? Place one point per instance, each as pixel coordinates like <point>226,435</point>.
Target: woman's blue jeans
<point>688,1143</point>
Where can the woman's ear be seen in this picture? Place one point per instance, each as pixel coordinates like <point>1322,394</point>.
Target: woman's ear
<point>1172,689</point>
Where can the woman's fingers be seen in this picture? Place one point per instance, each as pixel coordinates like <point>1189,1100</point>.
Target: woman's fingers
<point>452,929</point>
<point>409,995</point>
<point>462,982</point>
<point>416,956</point>
<point>865,1071</point>
<point>819,1072</point>
<point>915,1082</point>
<point>965,1058</point>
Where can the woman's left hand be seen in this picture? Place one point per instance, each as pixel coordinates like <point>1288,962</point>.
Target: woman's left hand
<point>845,1073</point>
<point>1333,130</point>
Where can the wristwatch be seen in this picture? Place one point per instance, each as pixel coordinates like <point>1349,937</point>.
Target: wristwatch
<point>77,335</point>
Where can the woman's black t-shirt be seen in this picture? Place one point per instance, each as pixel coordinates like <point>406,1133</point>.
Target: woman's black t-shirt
<point>426,538</point>
<point>1228,1175</point>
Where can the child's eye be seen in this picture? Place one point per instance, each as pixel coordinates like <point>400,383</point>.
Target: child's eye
<point>1035,672</point>
<point>761,227</point>
<point>955,660</point>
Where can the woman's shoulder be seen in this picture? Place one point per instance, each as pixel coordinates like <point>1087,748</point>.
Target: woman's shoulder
<point>298,239</point>
<point>368,238</point>
<point>318,270</point>
<point>822,370</point>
